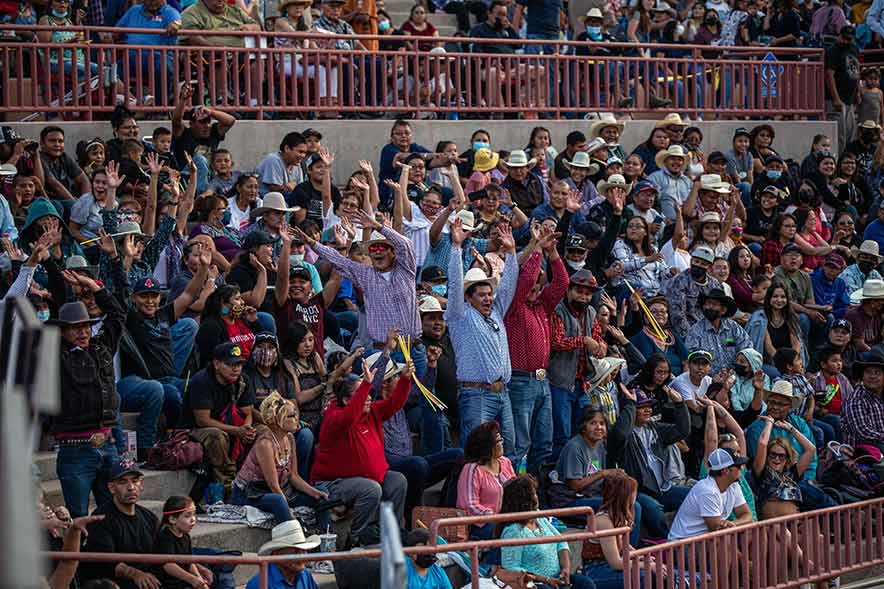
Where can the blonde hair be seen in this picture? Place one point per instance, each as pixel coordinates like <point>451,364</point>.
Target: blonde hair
<point>274,410</point>
<point>792,456</point>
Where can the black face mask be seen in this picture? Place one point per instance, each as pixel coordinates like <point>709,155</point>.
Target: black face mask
<point>711,314</point>
<point>742,370</point>
<point>425,561</point>
<point>498,24</point>
<point>711,22</point>
<point>698,273</point>
<point>870,138</point>
<point>579,305</point>
<point>865,267</point>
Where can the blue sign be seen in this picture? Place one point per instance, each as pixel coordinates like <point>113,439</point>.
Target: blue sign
<point>769,72</point>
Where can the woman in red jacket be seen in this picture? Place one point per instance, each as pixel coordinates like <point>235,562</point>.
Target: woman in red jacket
<point>350,463</point>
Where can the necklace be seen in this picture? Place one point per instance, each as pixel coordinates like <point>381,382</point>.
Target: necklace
<point>660,343</point>
<point>282,458</point>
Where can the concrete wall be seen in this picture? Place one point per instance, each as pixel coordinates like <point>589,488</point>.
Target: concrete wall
<point>351,141</point>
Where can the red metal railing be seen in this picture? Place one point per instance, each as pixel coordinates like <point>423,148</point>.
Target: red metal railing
<point>782,552</point>
<point>263,562</point>
<point>261,78</point>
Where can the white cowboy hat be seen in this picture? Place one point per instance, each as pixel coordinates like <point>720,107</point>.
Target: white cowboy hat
<point>8,170</point>
<point>595,145</point>
<point>288,534</point>
<point>673,151</point>
<point>872,290</point>
<point>783,388</point>
<point>376,237</point>
<point>606,120</point>
<point>392,369</point>
<point>709,217</point>
<point>467,219</point>
<point>593,13</point>
<point>273,201</point>
<point>580,160</point>
<point>430,305</point>
<point>604,367</point>
<point>614,181</point>
<point>869,248</point>
<point>673,119</point>
<point>519,159</point>
<point>478,276</point>
<point>714,182</point>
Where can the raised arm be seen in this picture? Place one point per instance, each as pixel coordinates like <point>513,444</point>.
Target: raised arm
<point>194,287</point>
<point>456,306</point>
<point>760,460</point>
<point>328,159</point>
<point>401,205</point>
<point>374,199</point>
<point>441,220</point>
<point>808,450</point>
<point>507,289</point>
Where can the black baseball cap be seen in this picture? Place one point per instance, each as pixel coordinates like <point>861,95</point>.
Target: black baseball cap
<point>256,239</point>
<point>433,274</point>
<point>843,324</point>
<point>229,353</point>
<point>791,248</point>
<point>146,285</point>
<point>300,272</point>
<point>716,156</point>
<point>575,242</point>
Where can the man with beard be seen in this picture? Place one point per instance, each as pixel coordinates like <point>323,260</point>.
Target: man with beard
<point>126,528</point>
<point>571,345</point>
<point>295,301</point>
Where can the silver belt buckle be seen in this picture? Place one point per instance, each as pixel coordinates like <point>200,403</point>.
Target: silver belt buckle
<point>540,374</point>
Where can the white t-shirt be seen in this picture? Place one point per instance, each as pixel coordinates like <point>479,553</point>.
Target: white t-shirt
<point>239,220</point>
<point>687,389</point>
<point>704,500</point>
<point>678,259</point>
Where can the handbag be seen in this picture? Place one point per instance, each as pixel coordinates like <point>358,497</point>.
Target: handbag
<point>180,451</point>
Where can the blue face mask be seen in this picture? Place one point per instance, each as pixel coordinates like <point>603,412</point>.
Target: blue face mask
<point>774,174</point>
<point>43,315</point>
<point>225,218</point>
<point>594,33</point>
<point>225,310</point>
<point>58,14</point>
<point>384,26</point>
<point>440,289</point>
<point>477,145</point>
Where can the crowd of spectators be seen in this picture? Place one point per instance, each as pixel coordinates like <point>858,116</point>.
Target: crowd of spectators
<point>619,332</point>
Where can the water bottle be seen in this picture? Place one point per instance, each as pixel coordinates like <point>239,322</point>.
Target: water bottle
<point>523,466</point>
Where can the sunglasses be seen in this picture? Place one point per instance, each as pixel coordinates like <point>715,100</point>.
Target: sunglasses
<point>777,455</point>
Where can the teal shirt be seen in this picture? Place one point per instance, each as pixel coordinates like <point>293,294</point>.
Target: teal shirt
<point>538,559</point>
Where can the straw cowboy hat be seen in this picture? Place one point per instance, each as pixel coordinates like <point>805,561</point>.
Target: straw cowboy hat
<point>430,305</point>
<point>519,159</point>
<point>485,159</point>
<point>467,219</point>
<point>595,145</point>
<point>868,248</point>
<point>288,534</point>
<point>615,181</point>
<point>273,201</point>
<point>714,183</point>
<point>869,125</point>
<point>673,119</point>
<point>872,290</point>
<point>478,276</point>
<point>606,120</point>
<point>392,369</point>
<point>593,13</point>
<point>376,237</point>
<point>709,217</point>
<point>672,151</point>
<point>283,4</point>
<point>783,388</point>
<point>604,367</point>
<point>580,160</point>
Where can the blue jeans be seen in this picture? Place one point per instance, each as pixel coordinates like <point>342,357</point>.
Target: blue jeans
<point>423,472</point>
<point>476,406</point>
<point>605,577</point>
<point>532,420</point>
<point>434,428</point>
<point>812,497</point>
<point>653,509</point>
<point>567,408</point>
<point>272,503</point>
<point>223,572</point>
<point>148,398</point>
<point>183,334</point>
<point>304,451</point>
<point>156,61</point>
<point>82,469</point>
<point>596,503</point>
<point>833,421</point>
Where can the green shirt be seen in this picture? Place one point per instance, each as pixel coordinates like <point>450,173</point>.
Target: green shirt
<point>799,285</point>
<point>198,17</point>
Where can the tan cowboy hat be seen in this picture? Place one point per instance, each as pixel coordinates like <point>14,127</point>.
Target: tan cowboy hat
<point>872,290</point>
<point>783,388</point>
<point>714,183</point>
<point>614,181</point>
<point>869,125</point>
<point>519,159</point>
<point>673,119</point>
<point>430,305</point>
<point>273,201</point>
<point>485,159</point>
<point>606,120</point>
<point>869,248</point>
<point>580,160</point>
<point>283,4</point>
<point>672,151</point>
<point>288,534</point>
<point>593,13</point>
<point>478,276</point>
<point>709,217</point>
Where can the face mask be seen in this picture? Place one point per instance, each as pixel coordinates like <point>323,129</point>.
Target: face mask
<point>264,356</point>
<point>440,289</point>
<point>742,370</point>
<point>43,316</point>
<point>579,305</point>
<point>575,265</point>
<point>594,33</point>
<point>225,218</point>
<point>296,259</point>
<point>698,273</point>
<point>477,145</point>
<point>865,267</point>
<point>237,310</point>
<point>774,174</point>
<point>225,310</point>
<point>58,14</point>
<point>711,22</point>
<point>870,137</point>
<point>384,26</point>
<point>425,561</point>
<point>711,314</point>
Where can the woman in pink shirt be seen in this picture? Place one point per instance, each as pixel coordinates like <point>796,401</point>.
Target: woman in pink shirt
<point>480,486</point>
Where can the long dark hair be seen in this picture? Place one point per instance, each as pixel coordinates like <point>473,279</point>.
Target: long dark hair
<point>788,314</point>
<point>217,299</point>
<point>297,332</point>
<point>646,248</point>
<point>801,215</point>
<point>774,232</point>
<point>617,499</point>
<point>645,376</point>
<point>519,494</point>
<point>479,446</point>
<point>732,260</point>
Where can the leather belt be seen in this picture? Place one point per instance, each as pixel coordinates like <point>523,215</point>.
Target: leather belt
<point>494,387</point>
<point>94,439</point>
<point>539,374</point>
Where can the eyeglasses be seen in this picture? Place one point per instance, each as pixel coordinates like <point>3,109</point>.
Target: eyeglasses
<point>777,455</point>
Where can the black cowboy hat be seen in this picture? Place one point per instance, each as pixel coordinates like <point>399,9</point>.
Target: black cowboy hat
<point>716,294</point>
<point>875,359</point>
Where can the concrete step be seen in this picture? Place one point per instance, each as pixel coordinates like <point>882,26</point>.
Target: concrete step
<point>159,485</point>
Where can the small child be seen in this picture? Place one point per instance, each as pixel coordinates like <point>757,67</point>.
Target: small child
<point>162,145</point>
<point>791,366</point>
<point>137,176</point>
<point>179,518</point>
<point>831,388</point>
<point>871,98</point>
<point>223,174</point>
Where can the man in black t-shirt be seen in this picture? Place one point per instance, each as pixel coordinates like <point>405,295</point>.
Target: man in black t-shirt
<point>126,528</point>
<point>316,194</point>
<point>202,137</point>
<point>219,404</point>
<point>842,83</point>
<point>65,180</point>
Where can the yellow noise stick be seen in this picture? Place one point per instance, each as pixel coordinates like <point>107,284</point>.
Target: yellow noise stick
<point>432,399</point>
<point>655,327</point>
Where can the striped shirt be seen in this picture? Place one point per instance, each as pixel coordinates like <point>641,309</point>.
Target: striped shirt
<point>480,343</point>
<point>389,301</point>
<point>479,491</point>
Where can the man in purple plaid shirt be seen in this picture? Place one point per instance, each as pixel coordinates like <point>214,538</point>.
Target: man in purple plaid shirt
<point>862,417</point>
